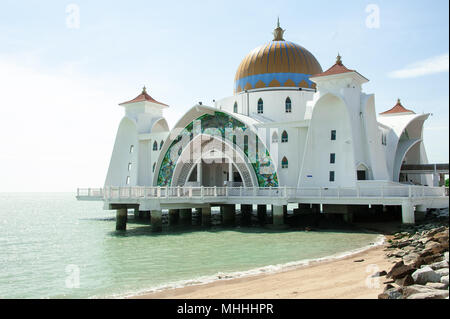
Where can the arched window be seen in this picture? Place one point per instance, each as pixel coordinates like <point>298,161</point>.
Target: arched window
<point>274,137</point>
<point>284,137</point>
<point>234,139</point>
<point>246,144</point>
<point>260,106</point>
<point>284,162</point>
<point>161,145</point>
<point>235,107</point>
<point>288,105</point>
<point>155,146</point>
<point>154,166</point>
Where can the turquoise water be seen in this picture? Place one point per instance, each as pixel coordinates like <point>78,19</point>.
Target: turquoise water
<point>46,239</point>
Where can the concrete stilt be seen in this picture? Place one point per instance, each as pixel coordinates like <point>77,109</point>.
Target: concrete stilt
<point>262,214</point>
<point>186,216</point>
<point>136,213</point>
<point>420,212</point>
<point>278,216</point>
<point>121,219</point>
<point>408,213</point>
<point>156,220</point>
<point>206,216</point>
<point>246,215</point>
<point>174,216</point>
<point>229,214</point>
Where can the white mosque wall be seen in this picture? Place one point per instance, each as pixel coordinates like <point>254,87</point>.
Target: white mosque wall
<point>122,169</point>
<point>329,113</point>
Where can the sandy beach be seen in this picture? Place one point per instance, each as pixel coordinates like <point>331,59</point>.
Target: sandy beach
<point>341,278</point>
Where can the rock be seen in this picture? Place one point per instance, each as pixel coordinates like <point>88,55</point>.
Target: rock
<point>444,280</point>
<point>392,293</point>
<point>400,270</point>
<point>434,247</point>
<point>411,259</point>
<point>439,265</point>
<point>436,285</point>
<point>405,281</point>
<point>424,275</point>
<point>358,260</point>
<point>380,273</point>
<point>423,292</point>
<point>434,294</point>
<point>443,272</point>
<point>446,256</point>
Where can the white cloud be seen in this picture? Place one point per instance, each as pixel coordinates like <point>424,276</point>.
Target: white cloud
<point>432,65</point>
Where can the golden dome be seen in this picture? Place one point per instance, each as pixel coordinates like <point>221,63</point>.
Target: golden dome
<point>276,64</point>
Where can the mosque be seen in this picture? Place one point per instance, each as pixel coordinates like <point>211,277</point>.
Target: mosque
<point>290,133</point>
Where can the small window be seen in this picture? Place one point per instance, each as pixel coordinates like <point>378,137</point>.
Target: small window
<point>128,180</point>
<point>179,151</point>
<point>332,158</point>
<point>383,139</point>
<point>234,139</point>
<point>154,166</point>
<point>155,146</point>
<point>274,137</point>
<point>288,105</point>
<point>161,145</point>
<point>131,149</point>
<point>129,166</point>
<point>331,176</point>
<point>246,144</point>
<point>284,162</point>
<point>260,106</point>
<point>333,135</point>
<point>284,137</point>
<point>235,109</point>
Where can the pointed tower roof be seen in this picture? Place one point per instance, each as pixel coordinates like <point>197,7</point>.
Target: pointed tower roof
<point>143,97</point>
<point>337,68</point>
<point>398,109</point>
<point>278,32</point>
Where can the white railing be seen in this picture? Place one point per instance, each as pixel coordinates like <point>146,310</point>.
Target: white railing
<point>142,192</point>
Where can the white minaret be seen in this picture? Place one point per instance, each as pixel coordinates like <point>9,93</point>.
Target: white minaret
<point>139,139</point>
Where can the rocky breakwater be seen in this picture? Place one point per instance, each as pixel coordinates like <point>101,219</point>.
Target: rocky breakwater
<point>420,264</point>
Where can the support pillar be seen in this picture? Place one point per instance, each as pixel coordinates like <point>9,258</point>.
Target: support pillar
<point>206,216</point>
<point>278,215</point>
<point>121,219</point>
<point>186,216</point>
<point>408,213</point>
<point>174,216</point>
<point>156,220</point>
<point>436,180</point>
<point>420,212</point>
<point>228,215</point>
<point>441,180</point>
<point>246,215</point>
<point>136,213</point>
<point>262,214</point>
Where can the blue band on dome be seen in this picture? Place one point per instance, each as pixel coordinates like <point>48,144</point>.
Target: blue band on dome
<point>269,77</point>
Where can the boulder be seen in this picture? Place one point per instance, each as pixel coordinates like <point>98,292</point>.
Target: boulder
<point>444,280</point>
<point>426,274</point>
<point>446,256</point>
<point>434,247</point>
<point>439,265</point>
<point>436,285</point>
<point>405,281</point>
<point>434,294</point>
<point>392,293</point>
<point>423,292</point>
<point>400,270</point>
<point>443,272</point>
<point>411,259</point>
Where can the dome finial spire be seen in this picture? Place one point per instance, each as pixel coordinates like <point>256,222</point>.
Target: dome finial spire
<point>278,32</point>
<point>339,59</point>
<point>144,90</point>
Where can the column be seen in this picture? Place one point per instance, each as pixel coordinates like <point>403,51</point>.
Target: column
<point>186,216</point>
<point>436,180</point>
<point>121,219</point>
<point>156,220</point>
<point>278,215</point>
<point>262,214</point>
<point>230,171</point>
<point>206,216</point>
<point>174,216</point>
<point>228,215</point>
<point>246,215</point>
<point>199,173</point>
<point>407,213</point>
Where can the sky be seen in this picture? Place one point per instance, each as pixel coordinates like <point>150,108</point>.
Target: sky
<point>65,67</point>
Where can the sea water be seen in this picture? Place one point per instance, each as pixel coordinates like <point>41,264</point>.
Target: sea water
<point>52,246</point>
